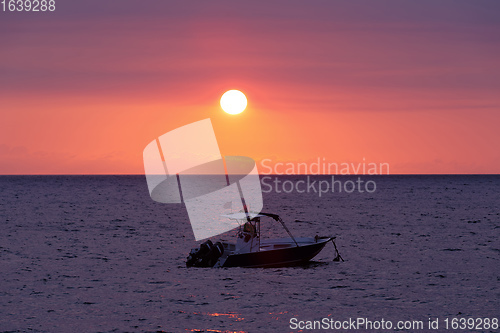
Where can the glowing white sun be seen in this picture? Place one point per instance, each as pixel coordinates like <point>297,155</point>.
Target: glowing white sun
<point>233,101</point>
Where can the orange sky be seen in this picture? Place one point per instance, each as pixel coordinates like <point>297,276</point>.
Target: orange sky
<point>84,89</point>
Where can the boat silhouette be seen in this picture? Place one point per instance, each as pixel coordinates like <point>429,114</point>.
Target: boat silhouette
<point>252,251</point>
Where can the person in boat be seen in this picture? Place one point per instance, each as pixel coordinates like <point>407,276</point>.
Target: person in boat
<point>249,228</point>
<point>249,231</point>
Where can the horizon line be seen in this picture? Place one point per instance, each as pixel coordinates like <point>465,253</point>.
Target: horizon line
<point>270,174</point>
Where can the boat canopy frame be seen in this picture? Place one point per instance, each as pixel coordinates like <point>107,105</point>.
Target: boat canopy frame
<point>249,216</point>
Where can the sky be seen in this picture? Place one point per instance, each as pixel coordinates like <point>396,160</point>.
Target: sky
<point>414,84</point>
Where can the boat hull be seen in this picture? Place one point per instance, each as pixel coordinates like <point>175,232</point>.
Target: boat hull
<point>290,256</point>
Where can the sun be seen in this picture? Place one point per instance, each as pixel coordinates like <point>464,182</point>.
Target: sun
<point>233,102</point>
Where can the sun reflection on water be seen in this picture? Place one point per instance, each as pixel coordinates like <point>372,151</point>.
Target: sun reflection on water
<point>217,331</point>
<point>232,315</point>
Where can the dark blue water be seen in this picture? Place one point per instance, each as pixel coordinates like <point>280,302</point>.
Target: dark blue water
<point>96,254</point>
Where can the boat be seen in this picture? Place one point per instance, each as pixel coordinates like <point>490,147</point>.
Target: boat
<point>252,251</point>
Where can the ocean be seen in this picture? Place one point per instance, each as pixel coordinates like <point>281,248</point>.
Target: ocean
<point>96,254</point>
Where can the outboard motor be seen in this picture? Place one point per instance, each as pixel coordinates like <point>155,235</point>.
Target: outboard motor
<point>218,250</point>
<point>206,255</point>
